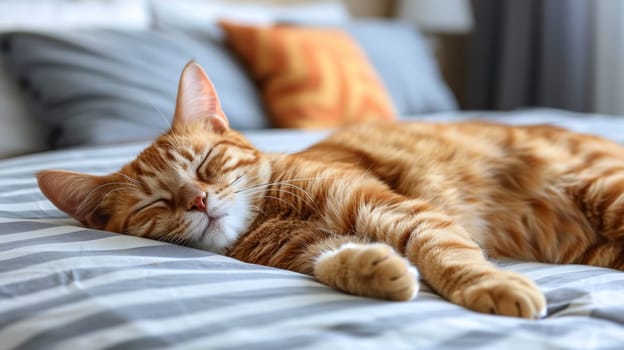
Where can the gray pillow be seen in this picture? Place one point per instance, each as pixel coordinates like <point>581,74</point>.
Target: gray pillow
<point>100,87</point>
<point>403,60</point>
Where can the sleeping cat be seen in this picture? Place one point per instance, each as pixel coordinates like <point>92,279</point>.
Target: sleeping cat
<point>364,207</point>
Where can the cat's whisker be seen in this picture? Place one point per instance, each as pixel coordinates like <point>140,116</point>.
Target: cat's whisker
<point>132,180</point>
<point>235,181</point>
<point>299,188</point>
<point>256,209</point>
<point>264,190</point>
<point>309,178</point>
<point>260,194</point>
<point>81,207</point>
<point>294,180</point>
<point>257,188</point>
<point>175,237</point>
<point>254,178</point>
<point>279,199</point>
<point>167,122</point>
<point>93,191</point>
<point>308,198</point>
<point>264,186</point>
<point>264,195</point>
<point>111,191</point>
<point>286,192</point>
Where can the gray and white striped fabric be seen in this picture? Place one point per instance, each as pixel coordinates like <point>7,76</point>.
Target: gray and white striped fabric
<point>66,287</point>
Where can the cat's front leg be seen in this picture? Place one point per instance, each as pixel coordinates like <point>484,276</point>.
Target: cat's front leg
<point>445,254</point>
<point>373,270</point>
<point>348,263</point>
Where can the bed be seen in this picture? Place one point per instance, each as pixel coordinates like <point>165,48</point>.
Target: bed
<point>66,287</point>
<point>63,286</point>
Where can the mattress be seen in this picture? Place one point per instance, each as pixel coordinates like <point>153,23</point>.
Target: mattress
<point>66,287</point>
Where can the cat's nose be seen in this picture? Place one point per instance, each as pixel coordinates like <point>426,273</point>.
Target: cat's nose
<point>199,203</point>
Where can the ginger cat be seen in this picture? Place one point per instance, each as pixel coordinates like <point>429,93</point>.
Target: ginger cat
<point>360,209</point>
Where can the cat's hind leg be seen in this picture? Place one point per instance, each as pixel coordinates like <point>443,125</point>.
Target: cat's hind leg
<point>367,269</point>
<point>601,198</point>
<point>598,190</point>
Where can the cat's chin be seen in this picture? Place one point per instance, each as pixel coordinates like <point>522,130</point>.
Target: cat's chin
<point>216,237</point>
<point>222,231</point>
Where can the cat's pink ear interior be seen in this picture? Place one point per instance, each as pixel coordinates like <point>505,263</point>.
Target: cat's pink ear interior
<point>77,194</point>
<point>197,100</point>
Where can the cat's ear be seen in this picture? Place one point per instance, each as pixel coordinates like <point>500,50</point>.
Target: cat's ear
<point>77,194</point>
<point>197,100</point>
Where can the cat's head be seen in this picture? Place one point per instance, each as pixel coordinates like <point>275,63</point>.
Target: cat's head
<point>196,184</point>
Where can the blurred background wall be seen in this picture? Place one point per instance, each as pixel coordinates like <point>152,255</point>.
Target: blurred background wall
<point>506,54</point>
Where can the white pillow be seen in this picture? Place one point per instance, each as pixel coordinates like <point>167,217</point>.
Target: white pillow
<point>42,15</point>
<point>204,14</point>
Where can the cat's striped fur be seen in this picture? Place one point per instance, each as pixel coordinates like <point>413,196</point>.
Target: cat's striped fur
<point>362,207</point>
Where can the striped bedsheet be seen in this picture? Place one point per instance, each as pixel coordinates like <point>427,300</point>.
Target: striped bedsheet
<point>66,287</point>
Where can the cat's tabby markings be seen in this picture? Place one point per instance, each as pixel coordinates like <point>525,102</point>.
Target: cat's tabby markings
<point>360,209</point>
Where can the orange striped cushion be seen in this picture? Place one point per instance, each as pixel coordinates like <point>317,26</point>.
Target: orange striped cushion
<point>311,77</point>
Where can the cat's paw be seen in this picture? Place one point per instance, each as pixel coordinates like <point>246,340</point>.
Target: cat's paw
<point>504,293</point>
<point>372,270</point>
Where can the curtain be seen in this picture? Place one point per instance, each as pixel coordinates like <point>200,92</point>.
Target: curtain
<point>609,57</point>
<point>531,53</point>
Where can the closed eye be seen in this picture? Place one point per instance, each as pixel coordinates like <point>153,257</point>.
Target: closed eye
<point>201,165</point>
<point>152,203</point>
